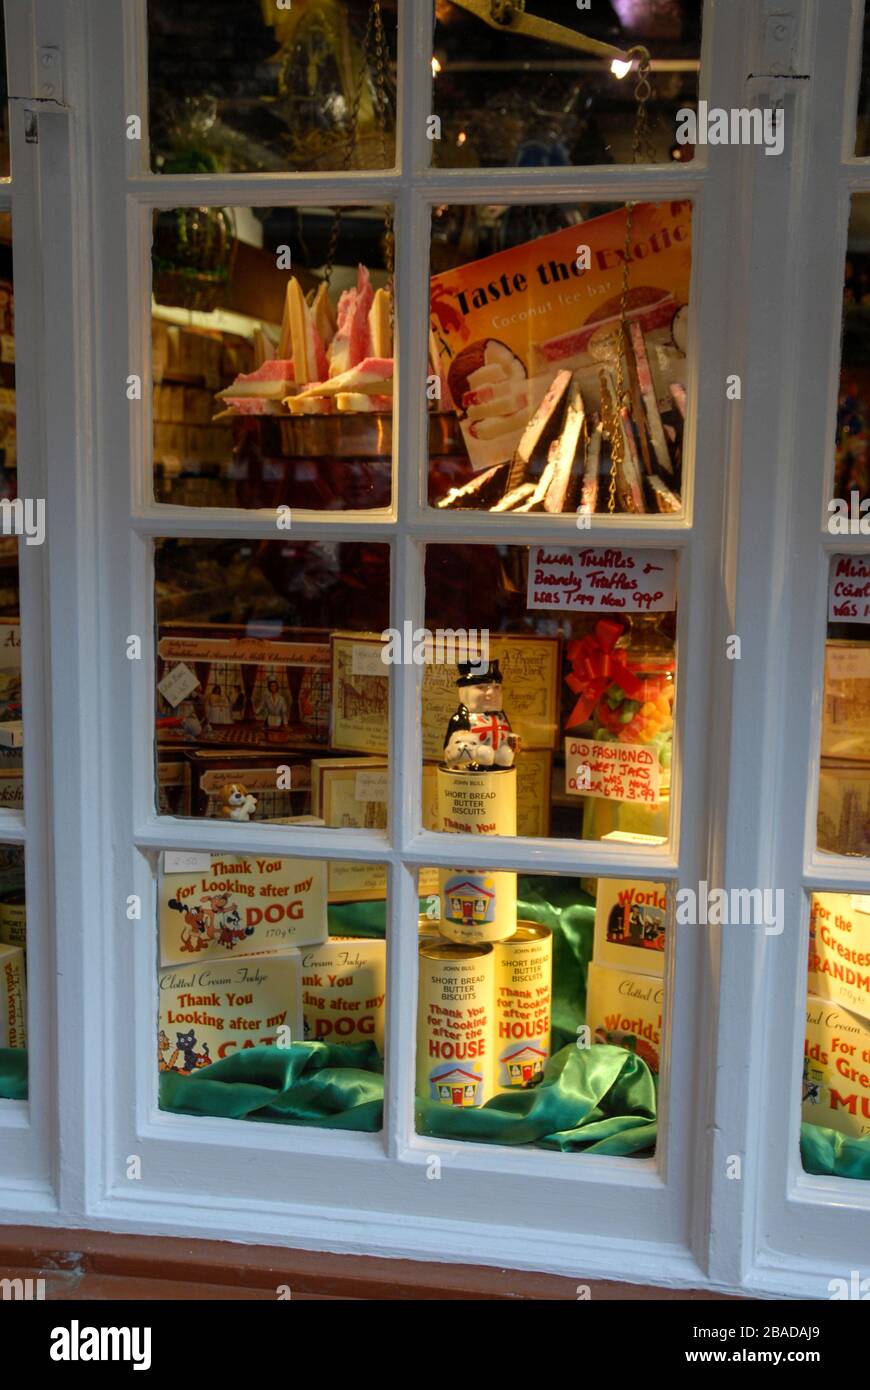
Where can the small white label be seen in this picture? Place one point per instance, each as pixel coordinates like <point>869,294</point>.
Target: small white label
<point>189,861</point>
<point>861,903</point>
<point>848,663</point>
<point>177,684</point>
<point>366,660</point>
<point>371,785</point>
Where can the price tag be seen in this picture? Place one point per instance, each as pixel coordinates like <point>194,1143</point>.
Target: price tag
<point>178,684</point>
<point>371,785</point>
<point>186,862</point>
<point>601,580</point>
<point>366,660</point>
<point>612,771</point>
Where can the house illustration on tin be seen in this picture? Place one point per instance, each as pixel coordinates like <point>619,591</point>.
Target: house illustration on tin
<point>470,902</point>
<point>456,1087</point>
<point>525,1066</point>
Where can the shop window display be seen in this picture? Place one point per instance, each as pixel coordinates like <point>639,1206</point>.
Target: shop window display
<point>539,1012</point>
<point>272,357</point>
<point>261,683</point>
<point>272,989</point>
<point>558,346</point>
<point>13,975</point>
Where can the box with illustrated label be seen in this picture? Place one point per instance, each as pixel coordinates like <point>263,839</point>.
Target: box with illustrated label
<point>530,670</point>
<point>839,955</point>
<point>843,820</point>
<point>630,925</point>
<point>10,670</point>
<point>256,687</point>
<point>280,783</point>
<point>846,711</point>
<point>240,905</point>
<point>836,1072</point>
<point>344,990</point>
<point>13,1001</point>
<point>211,1009</point>
<point>625,1009</point>
<point>351,794</point>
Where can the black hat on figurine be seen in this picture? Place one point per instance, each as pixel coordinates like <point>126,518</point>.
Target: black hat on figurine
<point>474,673</point>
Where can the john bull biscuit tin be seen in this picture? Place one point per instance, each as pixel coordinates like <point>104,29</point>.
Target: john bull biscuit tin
<point>477,803</point>
<point>477,905</point>
<point>344,991</point>
<point>13,1027</point>
<point>455,1023</point>
<point>523,1006</point>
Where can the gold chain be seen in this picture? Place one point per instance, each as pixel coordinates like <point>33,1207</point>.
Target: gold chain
<point>375,42</point>
<point>641,151</point>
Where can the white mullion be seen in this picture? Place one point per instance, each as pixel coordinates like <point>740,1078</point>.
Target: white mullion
<point>407,600</point>
<point>545,855</point>
<point>226,523</point>
<point>219,836</point>
<point>618,183</point>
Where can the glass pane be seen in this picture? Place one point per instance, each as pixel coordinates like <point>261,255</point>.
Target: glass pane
<point>562,724</point>
<point>4,104</point>
<point>272,357</point>
<point>843,825</point>
<point>552,378</point>
<point>13,975</point>
<point>535,992</point>
<point>19,517</point>
<point>266,682</point>
<point>271,87</point>
<point>862,134</point>
<point>272,989</point>
<point>852,470</point>
<point>835,1135</point>
<point>507,99</point>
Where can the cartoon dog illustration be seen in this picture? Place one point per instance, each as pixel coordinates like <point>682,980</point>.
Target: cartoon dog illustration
<point>198,927</point>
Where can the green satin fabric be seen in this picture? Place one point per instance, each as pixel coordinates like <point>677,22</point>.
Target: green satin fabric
<point>598,1099</point>
<point>13,1073</point>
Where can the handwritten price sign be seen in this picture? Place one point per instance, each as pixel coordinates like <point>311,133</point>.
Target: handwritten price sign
<point>849,589</point>
<point>599,579</point>
<point>612,771</point>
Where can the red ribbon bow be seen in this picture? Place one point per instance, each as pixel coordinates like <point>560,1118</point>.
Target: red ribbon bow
<point>594,666</point>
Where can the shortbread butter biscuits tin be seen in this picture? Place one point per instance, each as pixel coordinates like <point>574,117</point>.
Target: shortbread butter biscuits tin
<point>455,1023</point>
<point>477,803</point>
<point>477,905</point>
<point>523,1006</point>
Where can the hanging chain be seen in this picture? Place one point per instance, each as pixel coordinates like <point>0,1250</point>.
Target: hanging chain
<point>641,152</point>
<point>374,44</point>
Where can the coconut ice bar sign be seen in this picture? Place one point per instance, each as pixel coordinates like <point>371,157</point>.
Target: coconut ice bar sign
<point>600,579</point>
<point>849,589</point>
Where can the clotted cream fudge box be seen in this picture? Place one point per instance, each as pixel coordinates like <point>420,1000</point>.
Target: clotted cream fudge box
<point>240,904</point>
<point>630,917</point>
<point>625,1009</point>
<point>13,1026</point>
<point>211,1009</point>
<point>839,956</point>
<point>836,1076</point>
<point>344,990</point>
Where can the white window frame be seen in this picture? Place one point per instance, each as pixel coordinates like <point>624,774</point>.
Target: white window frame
<point>673,1219</point>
